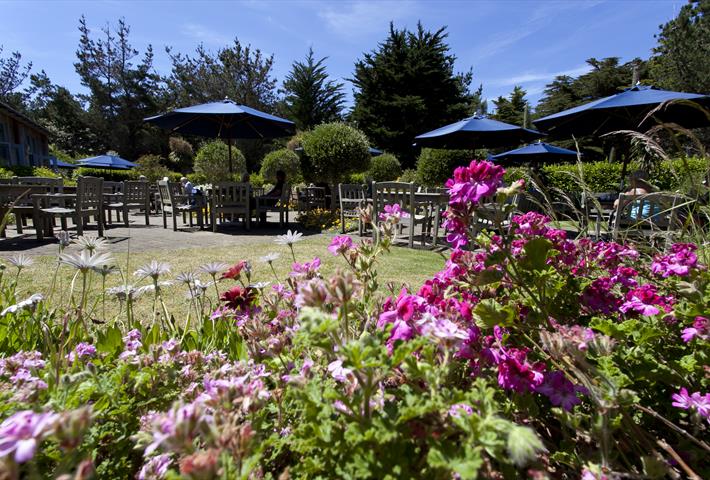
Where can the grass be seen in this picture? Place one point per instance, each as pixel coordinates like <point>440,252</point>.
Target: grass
<point>402,266</point>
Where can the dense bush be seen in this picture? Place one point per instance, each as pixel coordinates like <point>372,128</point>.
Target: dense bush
<point>108,175</point>
<point>435,165</point>
<point>4,173</point>
<point>332,151</point>
<point>283,159</point>
<point>409,175</point>
<point>181,155</point>
<point>384,168</point>
<point>212,161</point>
<point>152,167</point>
<point>682,174</point>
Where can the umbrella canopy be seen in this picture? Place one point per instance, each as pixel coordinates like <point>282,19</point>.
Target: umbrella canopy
<point>476,132</point>
<point>56,163</point>
<point>224,119</point>
<point>624,111</point>
<point>107,161</point>
<point>536,152</point>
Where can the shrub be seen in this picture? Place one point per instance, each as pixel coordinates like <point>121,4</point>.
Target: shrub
<point>212,161</point>
<point>256,180</point>
<point>44,172</point>
<point>107,175</point>
<point>684,174</point>
<point>4,173</point>
<point>152,167</point>
<point>332,151</point>
<point>283,159</point>
<point>434,166</point>
<point>181,153</point>
<point>409,175</point>
<point>384,168</point>
<point>196,178</point>
<point>514,173</point>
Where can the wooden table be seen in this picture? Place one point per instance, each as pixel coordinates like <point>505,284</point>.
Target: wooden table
<point>18,199</point>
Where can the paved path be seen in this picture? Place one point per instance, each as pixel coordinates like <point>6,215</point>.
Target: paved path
<point>139,238</point>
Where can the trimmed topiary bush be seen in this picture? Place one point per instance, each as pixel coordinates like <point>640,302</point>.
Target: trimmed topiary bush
<point>435,165</point>
<point>332,151</point>
<point>212,161</point>
<point>283,159</point>
<point>384,168</point>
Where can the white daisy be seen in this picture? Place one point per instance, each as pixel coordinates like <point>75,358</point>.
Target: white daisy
<point>91,243</point>
<point>20,261</point>
<point>153,270</point>
<point>28,303</point>
<point>85,260</point>
<point>270,257</point>
<point>289,238</point>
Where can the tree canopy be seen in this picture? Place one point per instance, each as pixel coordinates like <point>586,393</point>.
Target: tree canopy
<point>408,86</point>
<point>310,97</point>
<point>514,109</point>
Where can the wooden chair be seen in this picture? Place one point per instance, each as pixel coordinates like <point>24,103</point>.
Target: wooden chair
<point>135,197</point>
<point>389,193</point>
<point>23,210</point>
<point>173,201</point>
<point>311,198</point>
<point>352,199</point>
<point>88,203</point>
<point>647,215</point>
<point>230,199</point>
<point>266,204</point>
<point>17,199</point>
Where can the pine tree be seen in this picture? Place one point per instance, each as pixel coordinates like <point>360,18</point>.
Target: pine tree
<point>310,98</point>
<point>514,109</point>
<point>12,75</point>
<point>407,86</point>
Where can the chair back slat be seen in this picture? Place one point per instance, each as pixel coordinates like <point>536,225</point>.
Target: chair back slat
<point>89,193</point>
<point>135,191</point>
<point>389,193</point>
<point>230,194</point>
<point>113,187</point>
<point>651,210</point>
<point>165,191</point>
<point>55,185</point>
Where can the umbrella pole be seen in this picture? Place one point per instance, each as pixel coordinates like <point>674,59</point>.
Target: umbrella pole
<point>229,147</point>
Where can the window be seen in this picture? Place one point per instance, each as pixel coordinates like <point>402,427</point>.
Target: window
<point>4,145</point>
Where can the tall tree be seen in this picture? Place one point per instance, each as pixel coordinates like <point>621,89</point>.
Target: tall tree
<point>606,77</point>
<point>311,98</point>
<point>407,86</point>
<point>680,61</point>
<point>514,109</point>
<point>121,92</point>
<point>12,75</point>
<point>238,72</point>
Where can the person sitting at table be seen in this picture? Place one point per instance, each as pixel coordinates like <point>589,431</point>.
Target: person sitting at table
<point>638,186</point>
<point>272,197</point>
<point>246,178</point>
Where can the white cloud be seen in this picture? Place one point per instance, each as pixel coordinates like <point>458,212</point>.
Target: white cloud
<point>355,19</point>
<point>535,77</point>
<point>205,35</point>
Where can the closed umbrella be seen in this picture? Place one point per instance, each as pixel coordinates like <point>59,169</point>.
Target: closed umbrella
<point>226,120</point>
<point>536,152</point>
<point>625,111</point>
<point>111,162</point>
<point>476,132</point>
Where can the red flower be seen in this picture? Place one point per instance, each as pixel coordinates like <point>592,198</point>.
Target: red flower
<point>239,298</point>
<point>235,271</point>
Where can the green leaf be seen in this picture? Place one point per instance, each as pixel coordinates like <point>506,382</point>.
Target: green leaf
<point>536,251</point>
<point>489,313</point>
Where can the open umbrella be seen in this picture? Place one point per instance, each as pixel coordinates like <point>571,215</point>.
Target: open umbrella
<point>625,111</point>
<point>226,120</point>
<point>56,163</point>
<point>536,152</point>
<point>111,162</point>
<point>476,132</point>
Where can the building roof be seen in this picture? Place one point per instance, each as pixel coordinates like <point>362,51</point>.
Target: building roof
<point>22,117</point>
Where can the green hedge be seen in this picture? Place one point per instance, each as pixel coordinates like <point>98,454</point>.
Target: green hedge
<point>108,175</point>
<point>435,166</point>
<point>283,159</point>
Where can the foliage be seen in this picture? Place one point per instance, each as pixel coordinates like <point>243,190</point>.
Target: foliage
<point>310,97</point>
<point>679,61</point>
<point>212,161</point>
<point>240,73</point>
<point>108,175</point>
<point>409,175</point>
<point>384,168</point>
<point>122,92</point>
<point>514,109</point>
<point>283,159</point>
<point>318,219</point>
<point>181,154</point>
<point>152,167</point>
<point>44,172</point>
<point>12,74</point>
<point>5,173</point>
<point>598,176</point>
<point>435,165</point>
<point>332,151</point>
<point>257,180</point>
<point>408,86</point>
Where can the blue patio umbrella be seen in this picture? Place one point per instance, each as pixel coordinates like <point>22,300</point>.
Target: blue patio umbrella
<point>536,152</point>
<point>625,111</point>
<point>111,162</point>
<point>224,119</point>
<point>476,132</point>
<point>56,163</point>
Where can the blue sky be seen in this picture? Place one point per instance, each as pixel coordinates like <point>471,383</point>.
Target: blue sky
<point>506,42</point>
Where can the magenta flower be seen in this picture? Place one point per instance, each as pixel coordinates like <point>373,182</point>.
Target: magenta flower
<point>155,468</point>
<point>460,409</point>
<point>340,244</point>
<point>82,351</point>
<point>23,431</point>
<point>697,401</point>
<point>393,212</point>
<point>679,262</point>
<point>560,391</point>
<point>700,329</point>
<point>470,184</point>
<point>644,300</point>
<point>339,372</point>
<point>306,269</point>
<point>516,373</point>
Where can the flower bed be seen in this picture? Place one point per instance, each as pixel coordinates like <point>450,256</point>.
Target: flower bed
<point>529,355</point>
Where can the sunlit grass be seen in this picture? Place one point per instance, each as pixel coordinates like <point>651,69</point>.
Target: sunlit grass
<point>400,266</point>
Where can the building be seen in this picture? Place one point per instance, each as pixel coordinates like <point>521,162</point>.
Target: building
<point>23,142</point>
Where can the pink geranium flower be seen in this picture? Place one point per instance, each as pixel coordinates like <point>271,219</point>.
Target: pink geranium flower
<point>23,431</point>
<point>340,244</point>
<point>697,401</point>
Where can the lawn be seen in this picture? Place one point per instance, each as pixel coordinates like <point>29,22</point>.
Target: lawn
<point>400,266</point>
